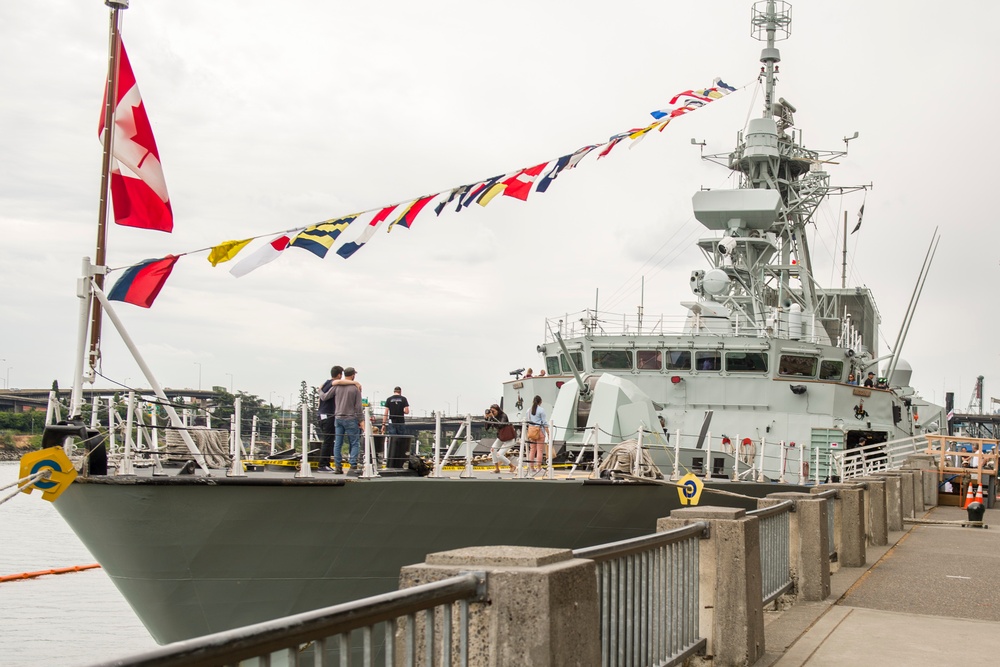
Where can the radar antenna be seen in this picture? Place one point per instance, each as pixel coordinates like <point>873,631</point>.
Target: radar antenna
<point>771,22</point>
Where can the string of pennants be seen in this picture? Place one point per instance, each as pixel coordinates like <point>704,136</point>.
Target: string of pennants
<point>142,282</point>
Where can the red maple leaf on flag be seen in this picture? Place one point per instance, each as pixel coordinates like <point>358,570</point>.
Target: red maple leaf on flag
<point>143,132</point>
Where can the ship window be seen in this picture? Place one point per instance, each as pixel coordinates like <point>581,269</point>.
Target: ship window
<point>552,365</point>
<point>612,360</point>
<point>831,370</point>
<point>708,361</point>
<point>797,366</point>
<point>746,362</point>
<point>577,360</point>
<point>649,360</point>
<point>678,360</point>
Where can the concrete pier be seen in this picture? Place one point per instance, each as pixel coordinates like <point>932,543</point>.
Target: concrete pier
<point>929,598</point>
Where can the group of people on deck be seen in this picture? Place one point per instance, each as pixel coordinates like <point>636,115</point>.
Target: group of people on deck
<point>870,381</point>
<point>341,415</point>
<point>537,436</point>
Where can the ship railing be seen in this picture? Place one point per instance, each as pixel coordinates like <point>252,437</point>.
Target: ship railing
<point>649,597</point>
<point>408,623</point>
<point>822,465</point>
<point>879,457</point>
<point>775,559</point>
<point>587,323</point>
<point>783,462</point>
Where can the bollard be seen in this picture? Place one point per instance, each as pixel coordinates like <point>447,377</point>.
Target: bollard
<point>976,511</point>
<point>541,606</point>
<point>732,609</point>
<point>808,543</point>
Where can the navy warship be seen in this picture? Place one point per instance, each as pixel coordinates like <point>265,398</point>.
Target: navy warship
<point>754,388</point>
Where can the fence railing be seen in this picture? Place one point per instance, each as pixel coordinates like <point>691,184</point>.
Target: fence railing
<point>649,597</point>
<point>775,558</point>
<point>867,460</point>
<point>328,632</point>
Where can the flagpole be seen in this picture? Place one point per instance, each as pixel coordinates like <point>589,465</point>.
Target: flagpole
<point>114,47</point>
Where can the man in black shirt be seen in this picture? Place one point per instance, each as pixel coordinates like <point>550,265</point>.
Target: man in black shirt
<point>870,381</point>
<point>396,409</point>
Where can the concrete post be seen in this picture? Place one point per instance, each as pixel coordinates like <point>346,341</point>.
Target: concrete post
<point>542,606</point>
<point>848,523</point>
<point>893,501</point>
<point>732,609</point>
<point>918,491</point>
<point>905,491</point>
<point>808,543</point>
<point>928,465</point>
<point>877,521</point>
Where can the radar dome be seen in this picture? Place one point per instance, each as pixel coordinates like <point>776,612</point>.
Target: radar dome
<point>901,376</point>
<point>715,282</point>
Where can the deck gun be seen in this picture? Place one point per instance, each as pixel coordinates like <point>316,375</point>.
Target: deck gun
<point>585,392</point>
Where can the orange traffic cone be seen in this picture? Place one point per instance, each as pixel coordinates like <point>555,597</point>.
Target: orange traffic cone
<point>979,494</point>
<point>968,497</point>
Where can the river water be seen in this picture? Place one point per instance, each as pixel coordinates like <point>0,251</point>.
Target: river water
<point>68,619</point>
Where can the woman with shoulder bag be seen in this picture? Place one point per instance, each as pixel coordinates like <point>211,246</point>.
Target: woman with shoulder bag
<point>505,437</point>
<point>538,433</point>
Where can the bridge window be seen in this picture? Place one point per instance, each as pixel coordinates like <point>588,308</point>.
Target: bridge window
<point>649,360</point>
<point>552,365</point>
<point>678,360</point>
<point>831,370</point>
<point>612,360</point>
<point>797,366</point>
<point>577,358</point>
<point>746,362</point>
<point>708,361</point>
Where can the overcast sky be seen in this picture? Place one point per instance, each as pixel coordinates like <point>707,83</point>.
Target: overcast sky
<point>270,116</point>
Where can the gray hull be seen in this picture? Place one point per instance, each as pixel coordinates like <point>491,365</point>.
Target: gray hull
<point>194,556</point>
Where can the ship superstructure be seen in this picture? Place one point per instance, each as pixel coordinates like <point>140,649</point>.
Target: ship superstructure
<point>773,356</point>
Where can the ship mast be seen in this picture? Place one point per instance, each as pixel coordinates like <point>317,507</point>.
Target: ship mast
<point>95,272</point>
<point>771,24</point>
<point>111,95</point>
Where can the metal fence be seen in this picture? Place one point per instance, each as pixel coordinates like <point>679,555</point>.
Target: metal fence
<point>775,559</point>
<point>381,626</point>
<point>648,590</point>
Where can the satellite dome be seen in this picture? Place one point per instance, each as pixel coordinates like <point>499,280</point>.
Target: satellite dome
<point>715,282</point>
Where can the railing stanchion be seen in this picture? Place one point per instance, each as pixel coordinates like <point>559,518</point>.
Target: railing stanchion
<point>304,469</point>
<point>468,472</point>
<point>437,444</point>
<point>677,456</point>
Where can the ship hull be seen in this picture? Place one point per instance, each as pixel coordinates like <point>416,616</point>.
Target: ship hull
<point>200,555</point>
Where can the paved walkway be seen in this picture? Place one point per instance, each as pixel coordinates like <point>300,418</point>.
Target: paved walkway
<point>931,598</point>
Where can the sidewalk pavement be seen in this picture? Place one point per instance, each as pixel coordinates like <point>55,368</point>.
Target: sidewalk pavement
<point>930,598</point>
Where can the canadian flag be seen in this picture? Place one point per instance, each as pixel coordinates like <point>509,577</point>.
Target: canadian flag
<point>138,189</point>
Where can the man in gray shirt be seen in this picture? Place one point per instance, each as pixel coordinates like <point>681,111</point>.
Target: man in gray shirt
<point>349,418</point>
